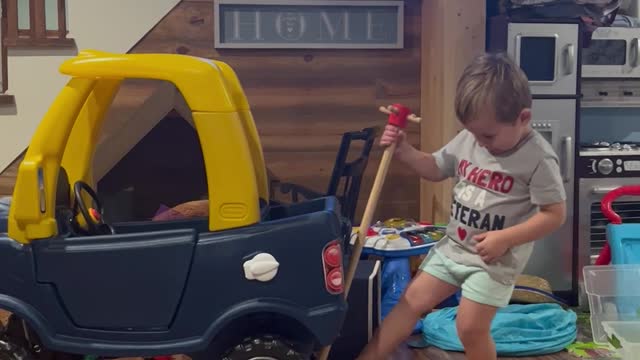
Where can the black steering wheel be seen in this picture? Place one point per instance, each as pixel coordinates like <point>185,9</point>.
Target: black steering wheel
<point>93,216</point>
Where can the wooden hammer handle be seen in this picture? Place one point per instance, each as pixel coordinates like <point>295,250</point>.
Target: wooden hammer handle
<point>364,226</point>
<point>369,211</point>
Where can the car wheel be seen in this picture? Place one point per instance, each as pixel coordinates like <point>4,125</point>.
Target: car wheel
<point>12,350</point>
<point>18,334</point>
<point>263,348</point>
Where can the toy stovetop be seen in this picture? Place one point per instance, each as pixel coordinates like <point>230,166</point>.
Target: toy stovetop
<point>400,238</point>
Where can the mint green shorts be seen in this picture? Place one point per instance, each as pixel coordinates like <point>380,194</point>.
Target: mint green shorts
<point>477,285</point>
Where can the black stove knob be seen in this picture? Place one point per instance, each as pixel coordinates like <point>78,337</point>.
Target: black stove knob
<point>605,166</point>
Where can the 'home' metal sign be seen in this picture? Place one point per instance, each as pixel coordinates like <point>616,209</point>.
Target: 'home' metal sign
<point>309,24</point>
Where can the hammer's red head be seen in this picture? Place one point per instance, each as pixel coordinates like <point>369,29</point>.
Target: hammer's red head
<point>398,118</point>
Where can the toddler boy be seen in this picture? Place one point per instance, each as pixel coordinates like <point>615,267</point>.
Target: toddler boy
<point>508,193</point>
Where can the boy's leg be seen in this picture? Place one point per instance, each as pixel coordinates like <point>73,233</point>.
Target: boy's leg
<point>474,329</point>
<point>481,298</point>
<point>423,293</point>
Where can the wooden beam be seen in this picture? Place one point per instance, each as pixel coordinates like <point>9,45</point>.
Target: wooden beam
<point>38,22</point>
<point>453,31</point>
<point>139,122</point>
<point>62,19</point>
<point>10,17</point>
<point>9,175</point>
<point>4,75</point>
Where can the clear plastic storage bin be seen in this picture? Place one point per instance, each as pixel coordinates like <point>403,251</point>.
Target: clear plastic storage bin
<point>614,296</point>
<point>628,334</point>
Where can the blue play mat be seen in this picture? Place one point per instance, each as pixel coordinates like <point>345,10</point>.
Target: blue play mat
<point>518,330</point>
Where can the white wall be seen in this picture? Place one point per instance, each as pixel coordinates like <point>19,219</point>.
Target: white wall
<point>630,7</point>
<point>34,80</point>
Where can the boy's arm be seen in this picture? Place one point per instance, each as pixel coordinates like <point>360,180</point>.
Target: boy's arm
<point>438,166</point>
<point>547,191</point>
<point>547,220</point>
<point>424,164</point>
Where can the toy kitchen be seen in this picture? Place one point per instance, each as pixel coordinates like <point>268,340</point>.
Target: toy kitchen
<point>608,134</point>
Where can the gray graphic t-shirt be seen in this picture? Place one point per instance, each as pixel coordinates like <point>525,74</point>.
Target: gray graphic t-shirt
<point>495,192</point>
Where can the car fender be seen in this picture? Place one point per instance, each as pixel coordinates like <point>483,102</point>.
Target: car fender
<point>322,323</point>
<point>29,314</point>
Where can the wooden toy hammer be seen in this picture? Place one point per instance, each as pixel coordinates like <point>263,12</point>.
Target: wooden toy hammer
<point>399,115</point>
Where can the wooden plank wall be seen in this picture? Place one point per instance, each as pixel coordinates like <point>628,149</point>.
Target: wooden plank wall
<point>448,22</point>
<point>8,177</point>
<point>303,100</point>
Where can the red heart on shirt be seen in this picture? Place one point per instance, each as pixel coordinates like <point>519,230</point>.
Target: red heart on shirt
<point>462,233</point>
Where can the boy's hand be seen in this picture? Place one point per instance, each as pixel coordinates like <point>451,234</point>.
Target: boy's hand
<point>491,245</point>
<point>392,135</point>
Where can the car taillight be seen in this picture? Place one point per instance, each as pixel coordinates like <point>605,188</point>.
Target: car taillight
<point>332,264</point>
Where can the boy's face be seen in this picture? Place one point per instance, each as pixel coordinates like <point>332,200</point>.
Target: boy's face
<point>499,137</point>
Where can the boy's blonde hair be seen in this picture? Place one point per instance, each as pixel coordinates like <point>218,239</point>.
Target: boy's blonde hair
<point>492,82</point>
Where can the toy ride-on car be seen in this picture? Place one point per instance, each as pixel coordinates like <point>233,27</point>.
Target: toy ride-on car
<point>250,281</point>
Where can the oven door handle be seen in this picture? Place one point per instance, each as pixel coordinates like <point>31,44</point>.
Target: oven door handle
<point>634,52</point>
<point>601,190</point>
<point>569,59</point>
<point>567,163</point>
<point>518,45</point>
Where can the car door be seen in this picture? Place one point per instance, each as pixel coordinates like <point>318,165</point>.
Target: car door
<point>124,281</point>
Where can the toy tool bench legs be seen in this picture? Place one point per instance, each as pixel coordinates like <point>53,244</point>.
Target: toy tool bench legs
<point>250,280</point>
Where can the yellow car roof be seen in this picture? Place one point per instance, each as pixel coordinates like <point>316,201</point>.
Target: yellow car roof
<point>200,80</point>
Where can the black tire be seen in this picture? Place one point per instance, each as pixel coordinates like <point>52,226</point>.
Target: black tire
<point>11,349</point>
<point>263,348</point>
<point>15,333</point>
